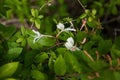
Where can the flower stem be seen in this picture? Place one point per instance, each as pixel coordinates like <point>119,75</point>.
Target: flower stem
<point>87,54</point>
<point>59,34</point>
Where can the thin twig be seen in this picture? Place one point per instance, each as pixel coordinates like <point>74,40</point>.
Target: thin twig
<point>110,60</point>
<point>97,55</point>
<point>10,21</point>
<point>82,5</point>
<point>32,25</point>
<point>87,54</point>
<point>83,24</point>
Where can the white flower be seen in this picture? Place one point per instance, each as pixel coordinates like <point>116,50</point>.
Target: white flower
<point>38,35</point>
<point>62,27</point>
<point>70,44</point>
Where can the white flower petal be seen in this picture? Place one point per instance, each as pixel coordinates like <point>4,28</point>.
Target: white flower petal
<point>38,35</point>
<point>36,32</point>
<point>70,40</point>
<point>68,45</point>
<point>60,26</point>
<point>70,29</point>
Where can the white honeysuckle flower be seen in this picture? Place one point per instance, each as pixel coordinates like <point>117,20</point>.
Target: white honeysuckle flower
<point>62,27</point>
<point>70,44</point>
<point>38,35</point>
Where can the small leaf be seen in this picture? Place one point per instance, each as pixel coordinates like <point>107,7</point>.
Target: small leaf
<point>83,16</point>
<point>115,53</point>
<point>94,11</point>
<point>51,60</point>
<point>8,69</point>
<point>37,23</point>
<point>91,24</point>
<point>34,12</point>
<point>98,65</point>
<point>46,41</point>
<point>40,16</point>
<point>60,66</point>
<point>13,53</point>
<point>37,75</point>
<point>51,63</point>
<point>80,36</point>
<point>41,57</point>
<point>23,31</point>
<point>72,61</point>
<point>90,19</point>
<point>7,32</point>
<point>104,46</point>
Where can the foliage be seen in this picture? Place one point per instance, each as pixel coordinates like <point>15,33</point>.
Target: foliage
<point>57,47</point>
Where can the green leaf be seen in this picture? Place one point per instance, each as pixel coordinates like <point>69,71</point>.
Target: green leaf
<point>83,16</point>
<point>46,41</point>
<point>8,69</point>
<point>41,57</point>
<point>10,79</point>
<point>51,60</point>
<point>98,65</point>
<point>80,36</point>
<point>109,75</point>
<point>29,58</point>
<point>37,75</point>
<point>60,66</point>
<point>117,75</point>
<point>34,12</point>
<point>104,46</point>
<point>90,19</point>
<point>72,61</point>
<point>40,16</point>
<point>51,63</point>
<point>7,32</point>
<point>13,53</point>
<point>37,23</point>
<point>61,50</point>
<point>23,31</point>
<point>115,53</point>
<point>91,24</point>
<point>64,35</point>
<point>94,11</point>
<point>12,44</point>
<point>35,45</point>
<point>88,45</point>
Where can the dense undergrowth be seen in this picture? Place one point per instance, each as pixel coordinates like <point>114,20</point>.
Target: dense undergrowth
<point>49,43</point>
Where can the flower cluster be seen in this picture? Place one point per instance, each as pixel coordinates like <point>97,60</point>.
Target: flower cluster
<point>70,42</point>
